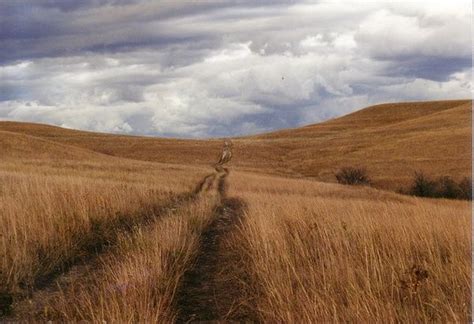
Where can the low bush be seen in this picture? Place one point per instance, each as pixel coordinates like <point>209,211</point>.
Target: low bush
<point>422,186</point>
<point>442,187</point>
<point>353,176</point>
<point>466,188</point>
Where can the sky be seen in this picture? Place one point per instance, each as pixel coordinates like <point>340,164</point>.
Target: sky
<point>200,69</point>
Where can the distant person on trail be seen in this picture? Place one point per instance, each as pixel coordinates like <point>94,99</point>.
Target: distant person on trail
<point>226,155</point>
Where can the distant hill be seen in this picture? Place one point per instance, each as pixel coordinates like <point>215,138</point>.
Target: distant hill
<point>133,147</point>
<point>23,146</point>
<point>391,141</point>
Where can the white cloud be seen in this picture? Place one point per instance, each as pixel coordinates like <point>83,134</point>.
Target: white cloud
<point>200,71</point>
<point>389,35</point>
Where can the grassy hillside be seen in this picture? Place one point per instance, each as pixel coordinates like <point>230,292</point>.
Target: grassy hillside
<point>22,146</point>
<point>132,147</point>
<point>391,141</point>
<point>100,227</point>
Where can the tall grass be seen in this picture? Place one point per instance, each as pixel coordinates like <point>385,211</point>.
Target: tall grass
<point>311,252</point>
<point>51,214</point>
<point>326,253</point>
<point>137,280</point>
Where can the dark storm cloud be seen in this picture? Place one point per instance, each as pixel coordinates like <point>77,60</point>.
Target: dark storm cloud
<point>198,69</point>
<point>55,28</point>
<point>430,68</point>
<point>38,29</point>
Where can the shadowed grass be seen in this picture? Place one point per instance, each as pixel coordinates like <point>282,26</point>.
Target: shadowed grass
<point>50,221</point>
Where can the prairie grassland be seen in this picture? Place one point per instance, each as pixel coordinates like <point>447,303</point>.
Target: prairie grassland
<point>391,141</point>
<point>97,236</point>
<point>136,281</point>
<point>323,252</point>
<point>52,212</point>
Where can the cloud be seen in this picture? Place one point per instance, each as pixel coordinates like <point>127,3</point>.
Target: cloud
<point>219,69</point>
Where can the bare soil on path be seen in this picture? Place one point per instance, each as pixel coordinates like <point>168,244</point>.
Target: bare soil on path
<point>214,288</point>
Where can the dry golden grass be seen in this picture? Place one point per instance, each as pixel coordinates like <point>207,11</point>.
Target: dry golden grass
<point>326,253</point>
<point>136,281</point>
<point>391,141</point>
<point>191,152</point>
<point>55,212</point>
<point>98,226</point>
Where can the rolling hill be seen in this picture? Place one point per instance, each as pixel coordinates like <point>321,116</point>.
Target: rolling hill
<point>86,217</point>
<point>132,147</point>
<point>23,146</point>
<point>391,141</point>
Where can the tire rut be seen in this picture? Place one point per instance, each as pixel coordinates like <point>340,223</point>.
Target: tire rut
<point>83,262</point>
<point>213,288</point>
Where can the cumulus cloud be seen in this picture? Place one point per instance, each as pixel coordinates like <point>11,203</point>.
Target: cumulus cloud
<point>210,69</point>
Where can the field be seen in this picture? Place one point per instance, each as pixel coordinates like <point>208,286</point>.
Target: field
<point>391,141</point>
<point>325,253</point>
<point>102,227</point>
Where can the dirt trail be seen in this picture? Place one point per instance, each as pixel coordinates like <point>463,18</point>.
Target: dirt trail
<point>85,262</point>
<point>213,288</point>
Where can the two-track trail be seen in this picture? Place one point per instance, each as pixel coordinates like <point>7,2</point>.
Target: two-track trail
<point>87,262</point>
<point>214,287</point>
<point>207,283</point>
